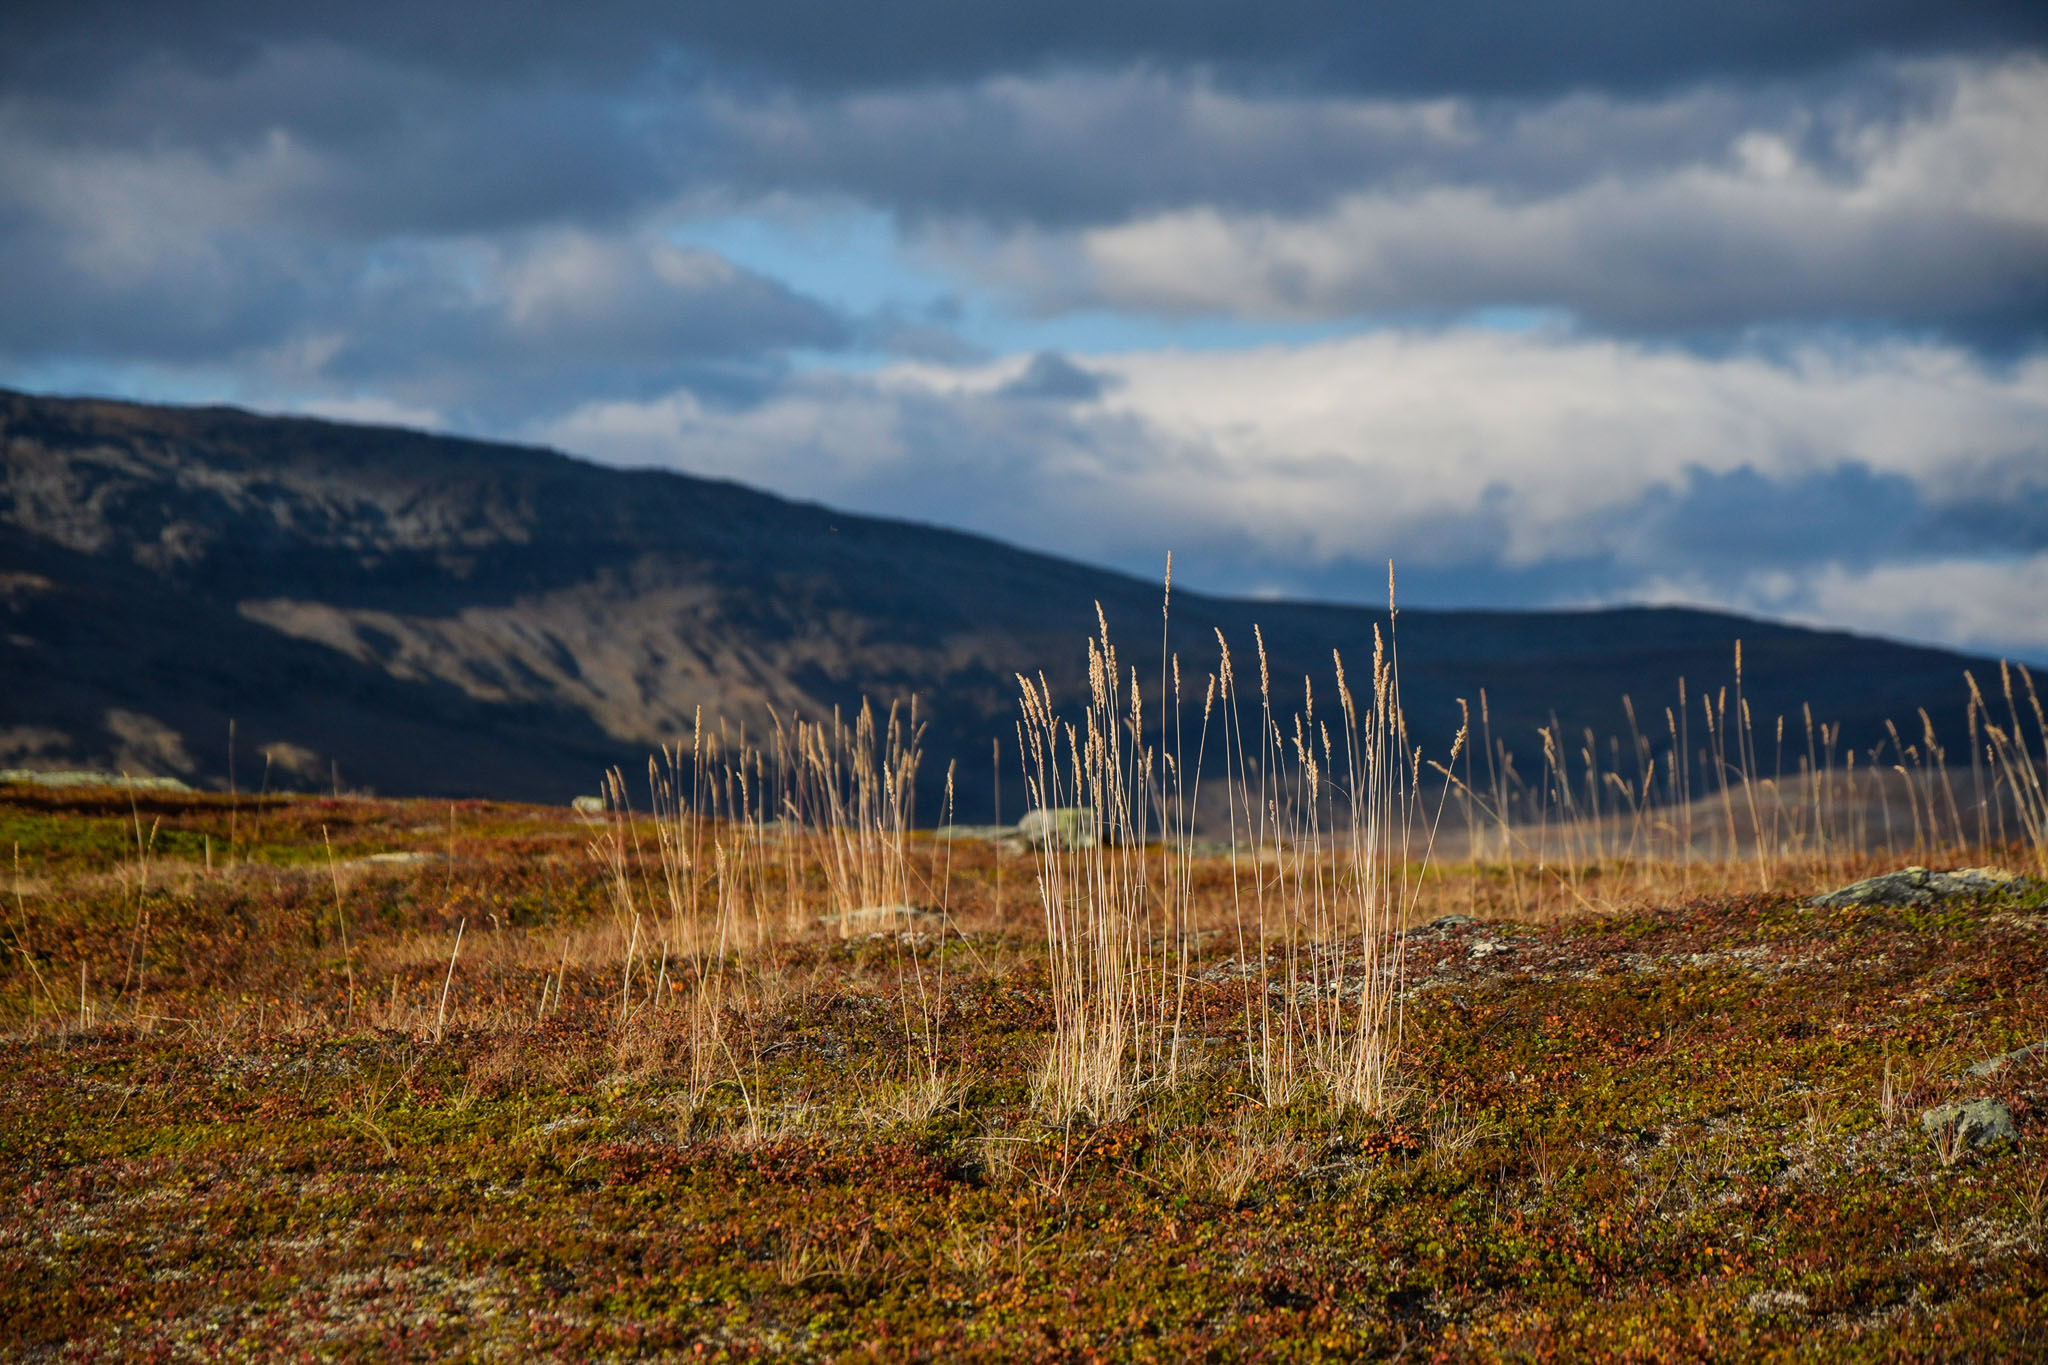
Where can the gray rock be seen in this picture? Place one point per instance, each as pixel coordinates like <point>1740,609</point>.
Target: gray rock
<point>1981,1122</point>
<point>1918,886</point>
<point>588,805</point>
<point>1062,827</point>
<point>1991,1066</point>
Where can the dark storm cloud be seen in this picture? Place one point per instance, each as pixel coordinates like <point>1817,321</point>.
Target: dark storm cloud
<point>1461,45</point>
<point>496,330</point>
<point>329,140</point>
<point>1710,207</point>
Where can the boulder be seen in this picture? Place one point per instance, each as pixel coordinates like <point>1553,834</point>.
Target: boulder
<point>1060,827</point>
<point>1918,886</point>
<point>1981,1122</point>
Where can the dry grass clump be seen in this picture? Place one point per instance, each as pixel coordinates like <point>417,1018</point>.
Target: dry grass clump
<point>742,839</point>
<point>1228,1168</point>
<point>1323,870</point>
<point>1116,969</point>
<point>1341,819</point>
<point>1719,804</point>
<point>2015,776</point>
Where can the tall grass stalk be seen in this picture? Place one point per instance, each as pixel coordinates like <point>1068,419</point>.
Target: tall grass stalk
<point>2011,760</point>
<point>739,835</point>
<point>1112,969</point>
<point>1688,814</point>
<point>855,785</point>
<point>1323,829</point>
<point>448,983</point>
<point>1333,824</point>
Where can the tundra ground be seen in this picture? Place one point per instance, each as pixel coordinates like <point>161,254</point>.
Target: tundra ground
<point>256,1102</point>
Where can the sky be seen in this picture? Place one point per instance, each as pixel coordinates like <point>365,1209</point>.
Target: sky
<point>1735,304</point>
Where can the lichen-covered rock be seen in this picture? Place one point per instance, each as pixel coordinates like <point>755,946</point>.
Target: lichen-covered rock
<point>1918,886</point>
<point>1060,827</point>
<point>1991,1066</point>
<point>1981,1122</point>
<point>1777,1303</point>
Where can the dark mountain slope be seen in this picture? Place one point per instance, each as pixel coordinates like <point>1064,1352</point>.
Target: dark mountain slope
<point>443,616</point>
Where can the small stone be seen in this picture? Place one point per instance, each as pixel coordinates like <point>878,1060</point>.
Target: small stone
<point>1980,1123</point>
<point>1443,924</point>
<point>1062,827</point>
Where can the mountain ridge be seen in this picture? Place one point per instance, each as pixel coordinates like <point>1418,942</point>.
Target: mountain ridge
<point>446,616</point>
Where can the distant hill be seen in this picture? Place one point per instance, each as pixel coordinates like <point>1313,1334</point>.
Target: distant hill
<point>419,614</point>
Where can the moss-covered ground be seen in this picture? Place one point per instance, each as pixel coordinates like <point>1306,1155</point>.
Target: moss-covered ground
<point>1687,1130</point>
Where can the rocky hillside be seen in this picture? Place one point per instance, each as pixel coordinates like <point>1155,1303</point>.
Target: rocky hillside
<point>420,614</point>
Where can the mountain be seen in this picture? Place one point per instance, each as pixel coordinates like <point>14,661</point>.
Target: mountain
<point>419,614</point>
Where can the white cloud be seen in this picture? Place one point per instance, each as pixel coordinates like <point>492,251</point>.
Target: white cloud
<point>1451,451</point>
<point>1386,438</point>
